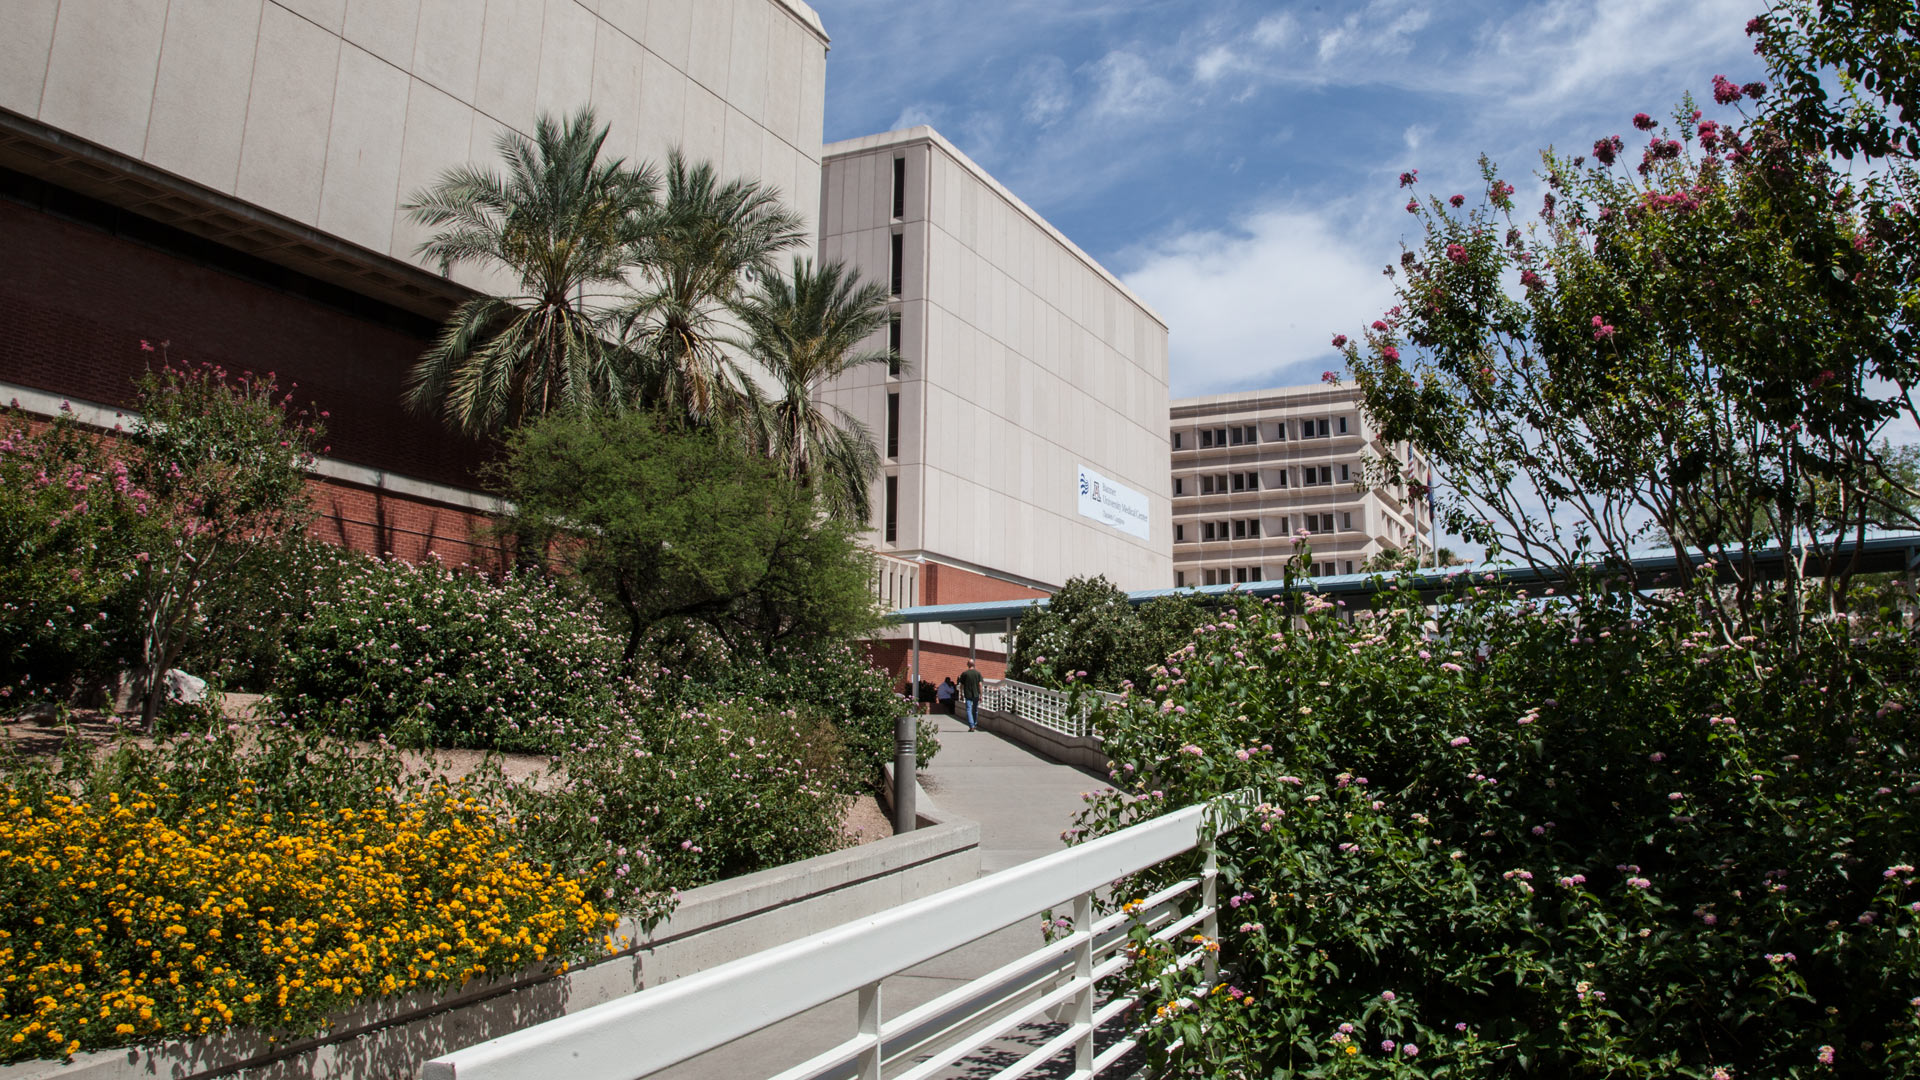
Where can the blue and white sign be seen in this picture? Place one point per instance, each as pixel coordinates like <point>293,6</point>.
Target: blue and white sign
<point>1113,504</point>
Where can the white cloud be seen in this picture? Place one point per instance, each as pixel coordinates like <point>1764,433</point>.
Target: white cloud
<point>914,115</point>
<point>1049,93</point>
<point>1130,87</point>
<point>1256,304</point>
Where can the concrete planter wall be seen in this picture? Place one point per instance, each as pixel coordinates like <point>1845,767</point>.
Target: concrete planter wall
<point>713,924</point>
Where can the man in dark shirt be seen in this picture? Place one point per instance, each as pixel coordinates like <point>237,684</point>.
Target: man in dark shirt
<point>970,681</point>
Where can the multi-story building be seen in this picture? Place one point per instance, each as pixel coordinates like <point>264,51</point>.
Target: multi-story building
<point>228,176</point>
<point>1253,470</point>
<point>1023,429</point>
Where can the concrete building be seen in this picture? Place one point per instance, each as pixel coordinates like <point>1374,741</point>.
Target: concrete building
<point>1252,469</point>
<point>1023,431</point>
<point>227,176</point>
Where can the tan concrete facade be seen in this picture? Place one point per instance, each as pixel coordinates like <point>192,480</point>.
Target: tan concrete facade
<point>329,114</point>
<point>1022,360</point>
<point>1252,469</point>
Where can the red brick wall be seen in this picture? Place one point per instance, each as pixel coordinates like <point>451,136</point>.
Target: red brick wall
<point>952,585</point>
<point>382,523</point>
<point>937,661</point>
<point>76,301</point>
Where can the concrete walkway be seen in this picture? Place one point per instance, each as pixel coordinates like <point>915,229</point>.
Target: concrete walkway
<point>1023,802</point>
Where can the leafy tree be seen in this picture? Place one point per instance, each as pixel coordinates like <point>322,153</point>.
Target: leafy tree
<point>694,258</point>
<point>1867,49</point>
<point>1089,633</point>
<point>223,461</point>
<point>806,331</point>
<point>560,223</point>
<point>1686,348</point>
<point>671,526</point>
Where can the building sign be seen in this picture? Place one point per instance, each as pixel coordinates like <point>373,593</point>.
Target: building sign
<point>1113,504</point>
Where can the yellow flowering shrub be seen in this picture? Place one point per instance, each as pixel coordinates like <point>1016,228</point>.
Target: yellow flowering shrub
<point>126,917</point>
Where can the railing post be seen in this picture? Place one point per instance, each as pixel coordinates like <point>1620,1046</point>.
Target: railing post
<point>1210,902</point>
<point>1083,969</point>
<point>870,1055</point>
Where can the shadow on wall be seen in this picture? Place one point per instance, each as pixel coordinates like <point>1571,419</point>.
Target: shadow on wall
<point>374,522</point>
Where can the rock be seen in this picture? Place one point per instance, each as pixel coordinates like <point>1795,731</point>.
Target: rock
<point>184,688</point>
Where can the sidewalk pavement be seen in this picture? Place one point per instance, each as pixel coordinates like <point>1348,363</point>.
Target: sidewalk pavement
<point>1023,802</point>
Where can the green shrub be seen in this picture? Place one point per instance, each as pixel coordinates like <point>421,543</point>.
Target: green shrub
<point>662,800</point>
<point>1088,634</point>
<point>1513,836</point>
<point>248,619</point>
<point>432,655</point>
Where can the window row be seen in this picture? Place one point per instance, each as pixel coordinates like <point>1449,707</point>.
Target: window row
<point>1242,575</point>
<point>1264,431</point>
<point>1249,528</point>
<point>1228,482</point>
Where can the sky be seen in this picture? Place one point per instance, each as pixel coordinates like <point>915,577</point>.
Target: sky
<point>1236,163</point>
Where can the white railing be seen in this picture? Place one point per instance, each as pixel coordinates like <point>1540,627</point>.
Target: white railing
<point>896,582</point>
<point>1048,708</point>
<point>665,1025</point>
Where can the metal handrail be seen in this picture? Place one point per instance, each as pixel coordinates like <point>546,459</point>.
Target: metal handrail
<point>665,1025</point>
<point>1049,708</point>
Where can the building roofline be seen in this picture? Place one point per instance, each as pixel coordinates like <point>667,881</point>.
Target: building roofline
<point>924,133</point>
<point>1247,397</point>
<point>808,18</point>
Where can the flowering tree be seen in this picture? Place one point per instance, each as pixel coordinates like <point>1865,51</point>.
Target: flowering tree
<point>1698,347</point>
<point>220,463</point>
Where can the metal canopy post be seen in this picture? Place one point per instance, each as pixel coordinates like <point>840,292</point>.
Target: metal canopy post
<point>913,692</point>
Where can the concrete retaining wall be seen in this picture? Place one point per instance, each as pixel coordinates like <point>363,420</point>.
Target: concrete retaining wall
<point>713,924</point>
<point>1082,751</point>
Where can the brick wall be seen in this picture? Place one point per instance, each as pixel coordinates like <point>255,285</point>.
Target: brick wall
<point>937,661</point>
<point>77,300</point>
<point>951,585</point>
<point>376,522</point>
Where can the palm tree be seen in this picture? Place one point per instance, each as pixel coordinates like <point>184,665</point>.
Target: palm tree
<point>806,333</point>
<point>706,242</point>
<point>561,221</point>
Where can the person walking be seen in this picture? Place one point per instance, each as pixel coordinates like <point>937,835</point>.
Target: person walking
<point>970,681</point>
<point>943,694</point>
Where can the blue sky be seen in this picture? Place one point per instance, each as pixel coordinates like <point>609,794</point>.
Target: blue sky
<point>1235,162</point>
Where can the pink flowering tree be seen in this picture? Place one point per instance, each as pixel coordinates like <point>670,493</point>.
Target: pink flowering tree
<point>71,519</point>
<point>220,459</point>
<point>1695,339</point>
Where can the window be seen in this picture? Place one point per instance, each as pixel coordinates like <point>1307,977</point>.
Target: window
<point>892,509</point>
<point>1209,573</point>
<point>1253,481</point>
<point>1253,527</point>
<point>1343,425</point>
<point>899,264</point>
<point>1280,431</point>
<point>1344,475</point>
<point>1176,440</point>
<point>1283,478</point>
<point>1346,520</point>
<point>1219,436</point>
<point>1349,566</point>
<point>1240,574</point>
<point>1314,429</point>
<point>1253,433</point>
<point>1179,486</point>
<point>1239,529</point>
<point>1206,530</point>
<point>1179,579</point>
<point>1239,481</point>
<point>1321,475</point>
<point>1206,438</point>
<point>1283,526</point>
<point>899,187</point>
<point>1326,569</point>
<point>1253,573</point>
<point>893,344</point>
<point>1206,485</point>
<point>893,425</point>
<point>1179,534</point>
<point>1238,438</point>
